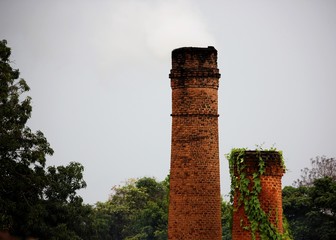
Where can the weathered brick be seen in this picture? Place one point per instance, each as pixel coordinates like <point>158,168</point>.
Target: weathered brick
<point>270,196</point>
<point>194,207</point>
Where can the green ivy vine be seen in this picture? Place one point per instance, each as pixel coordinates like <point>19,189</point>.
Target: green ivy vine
<point>249,194</point>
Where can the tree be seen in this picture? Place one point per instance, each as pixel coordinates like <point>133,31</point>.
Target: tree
<point>137,210</point>
<point>35,200</point>
<point>227,212</point>
<point>311,210</point>
<point>296,205</point>
<point>61,211</point>
<point>320,167</point>
<point>310,206</point>
<point>22,153</point>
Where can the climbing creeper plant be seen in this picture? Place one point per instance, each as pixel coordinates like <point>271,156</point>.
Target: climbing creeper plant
<point>249,194</point>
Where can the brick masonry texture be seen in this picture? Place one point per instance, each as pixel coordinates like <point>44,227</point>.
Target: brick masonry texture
<point>194,201</point>
<point>270,197</point>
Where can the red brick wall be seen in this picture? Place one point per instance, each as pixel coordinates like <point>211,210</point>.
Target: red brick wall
<point>194,207</point>
<point>270,196</point>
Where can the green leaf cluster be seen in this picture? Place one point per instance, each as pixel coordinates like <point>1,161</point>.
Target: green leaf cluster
<point>311,210</point>
<point>227,211</point>
<point>137,210</point>
<point>249,190</point>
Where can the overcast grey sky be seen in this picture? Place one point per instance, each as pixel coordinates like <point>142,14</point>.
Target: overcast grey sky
<point>98,72</point>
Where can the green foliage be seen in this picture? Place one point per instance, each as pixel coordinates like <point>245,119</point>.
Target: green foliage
<point>137,210</point>
<point>249,195</point>
<point>310,205</point>
<point>311,210</point>
<point>227,211</point>
<point>34,200</point>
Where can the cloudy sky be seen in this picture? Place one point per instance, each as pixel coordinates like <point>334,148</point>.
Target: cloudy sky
<point>98,72</point>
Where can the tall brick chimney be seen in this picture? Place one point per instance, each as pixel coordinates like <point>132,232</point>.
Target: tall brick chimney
<point>194,200</point>
<point>270,196</point>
